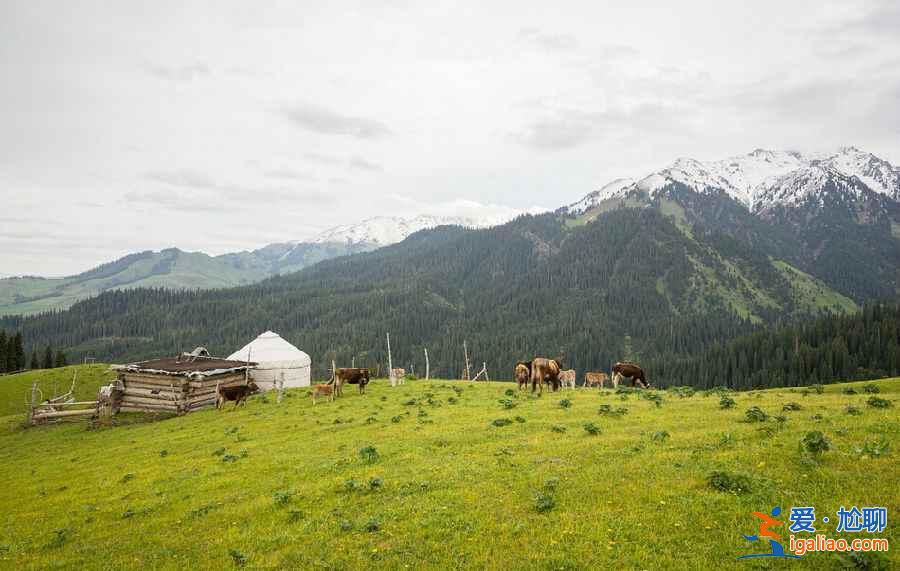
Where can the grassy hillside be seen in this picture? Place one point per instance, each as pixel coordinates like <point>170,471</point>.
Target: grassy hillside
<point>419,476</point>
<point>170,268</point>
<point>16,389</point>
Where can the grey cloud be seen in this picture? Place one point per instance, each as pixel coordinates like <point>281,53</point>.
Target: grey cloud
<point>214,194</point>
<point>361,164</point>
<point>882,19</point>
<point>289,174</point>
<point>178,73</point>
<point>548,41</point>
<point>325,121</point>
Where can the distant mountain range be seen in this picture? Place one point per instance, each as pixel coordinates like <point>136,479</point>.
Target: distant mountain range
<point>789,186</point>
<point>177,269</point>
<point>656,269</point>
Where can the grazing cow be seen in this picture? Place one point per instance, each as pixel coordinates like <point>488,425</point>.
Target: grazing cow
<point>632,371</point>
<point>322,390</point>
<point>237,394</point>
<point>352,376</point>
<point>522,374</point>
<point>544,370</point>
<point>567,378</point>
<point>399,375</point>
<point>592,379</point>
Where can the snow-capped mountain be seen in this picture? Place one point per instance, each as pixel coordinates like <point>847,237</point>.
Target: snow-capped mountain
<point>763,178</point>
<point>385,230</point>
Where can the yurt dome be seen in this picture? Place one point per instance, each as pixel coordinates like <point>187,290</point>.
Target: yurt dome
<point>276,360</point>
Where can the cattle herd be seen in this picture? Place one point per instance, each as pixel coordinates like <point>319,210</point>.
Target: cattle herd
<point>540,371</point>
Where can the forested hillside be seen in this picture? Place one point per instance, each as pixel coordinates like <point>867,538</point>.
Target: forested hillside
<point>634,283</point>
<point>864,345</point>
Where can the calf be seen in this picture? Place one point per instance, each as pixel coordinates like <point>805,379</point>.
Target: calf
<point>522,374</point>
<point>237,394</point>
<point>399,375</point>
<point>322,390</point>
<point>595,379</point>
<point>567,378</point>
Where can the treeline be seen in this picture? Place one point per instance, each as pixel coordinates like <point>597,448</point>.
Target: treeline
<point>865,345</point>
<point>13,356</point>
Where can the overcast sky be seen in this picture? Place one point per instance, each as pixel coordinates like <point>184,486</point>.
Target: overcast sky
<point>227,125</point>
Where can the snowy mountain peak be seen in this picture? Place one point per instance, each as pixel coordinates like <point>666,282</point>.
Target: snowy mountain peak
<point>764,176</point>
<point>385,230</point>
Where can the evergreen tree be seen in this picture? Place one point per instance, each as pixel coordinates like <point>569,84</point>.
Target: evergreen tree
<point>3,349</point>
<point>18,352</point>
<point>35,362</point>
<point>48,358</point>
<point>60,359</point>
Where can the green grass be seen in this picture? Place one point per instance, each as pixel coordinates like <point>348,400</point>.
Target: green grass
<point>295,486</point>
<point>15,390</point>
<point>811,294</point>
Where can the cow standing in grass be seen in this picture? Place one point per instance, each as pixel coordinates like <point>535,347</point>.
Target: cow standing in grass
<point>237,394</point>
<point>325,389</point>
<point>592,379</point>
<point>544,371</point>
<point>631,370</point>
<point>567,378</point>
<point>352,376</point>
<point>522,373</point>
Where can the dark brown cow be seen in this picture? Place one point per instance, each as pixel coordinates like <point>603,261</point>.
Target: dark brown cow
<point>632,371</point>
<point>237,394</point>
<point>544,370</point>
<point>352,376</point>
<point>522,374</point>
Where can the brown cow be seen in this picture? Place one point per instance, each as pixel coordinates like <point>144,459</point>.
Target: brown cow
<point>352,376</point>
<point>592,379</point>
<point>237,394</point>
<point>522,373</point>
<point>322,389</point>
<point>567,378</point>
<point>544,370</point>
<point>632,371</point>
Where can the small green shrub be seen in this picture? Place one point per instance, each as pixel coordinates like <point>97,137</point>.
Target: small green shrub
<point>163,453</point>
<point>558,428</point>
<point>849,391</point>
<point>565,403</point>
<point>544,501</point>
<point>508,403</point>
<point>878,402</point>
<point>376,484</point>
<point>874,449</point>
<point>351,485</point>
<point>509,392</point>
<point>369,454</point>
<point>127,478</point>
<point>373,525</point>
<point>608,410</point>
<point>815,443</point>
<point>730,482</point>
<point>282,497</point>
<point>660,436</point>
<point>237,557</point>
<point>871,388</point>
<point>726,402</point>
<point>519,419</point>
<point>756,414</point>
<point>591,428</point>
<point>501,422</point>
<point>791,406</point>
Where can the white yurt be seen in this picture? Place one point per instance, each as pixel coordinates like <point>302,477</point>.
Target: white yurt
<point>276,359</point>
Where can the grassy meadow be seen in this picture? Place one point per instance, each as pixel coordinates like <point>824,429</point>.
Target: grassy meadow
<point>443,474</point>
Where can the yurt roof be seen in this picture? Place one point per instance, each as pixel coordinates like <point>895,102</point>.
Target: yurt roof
<point>270,350</point>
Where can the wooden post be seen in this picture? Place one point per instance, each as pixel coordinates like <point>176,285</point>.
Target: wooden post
<point>427,369</point>
<point>390,362</point>
<point>466,353</point>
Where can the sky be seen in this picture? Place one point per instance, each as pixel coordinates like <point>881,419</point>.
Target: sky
<point>221,126</point>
